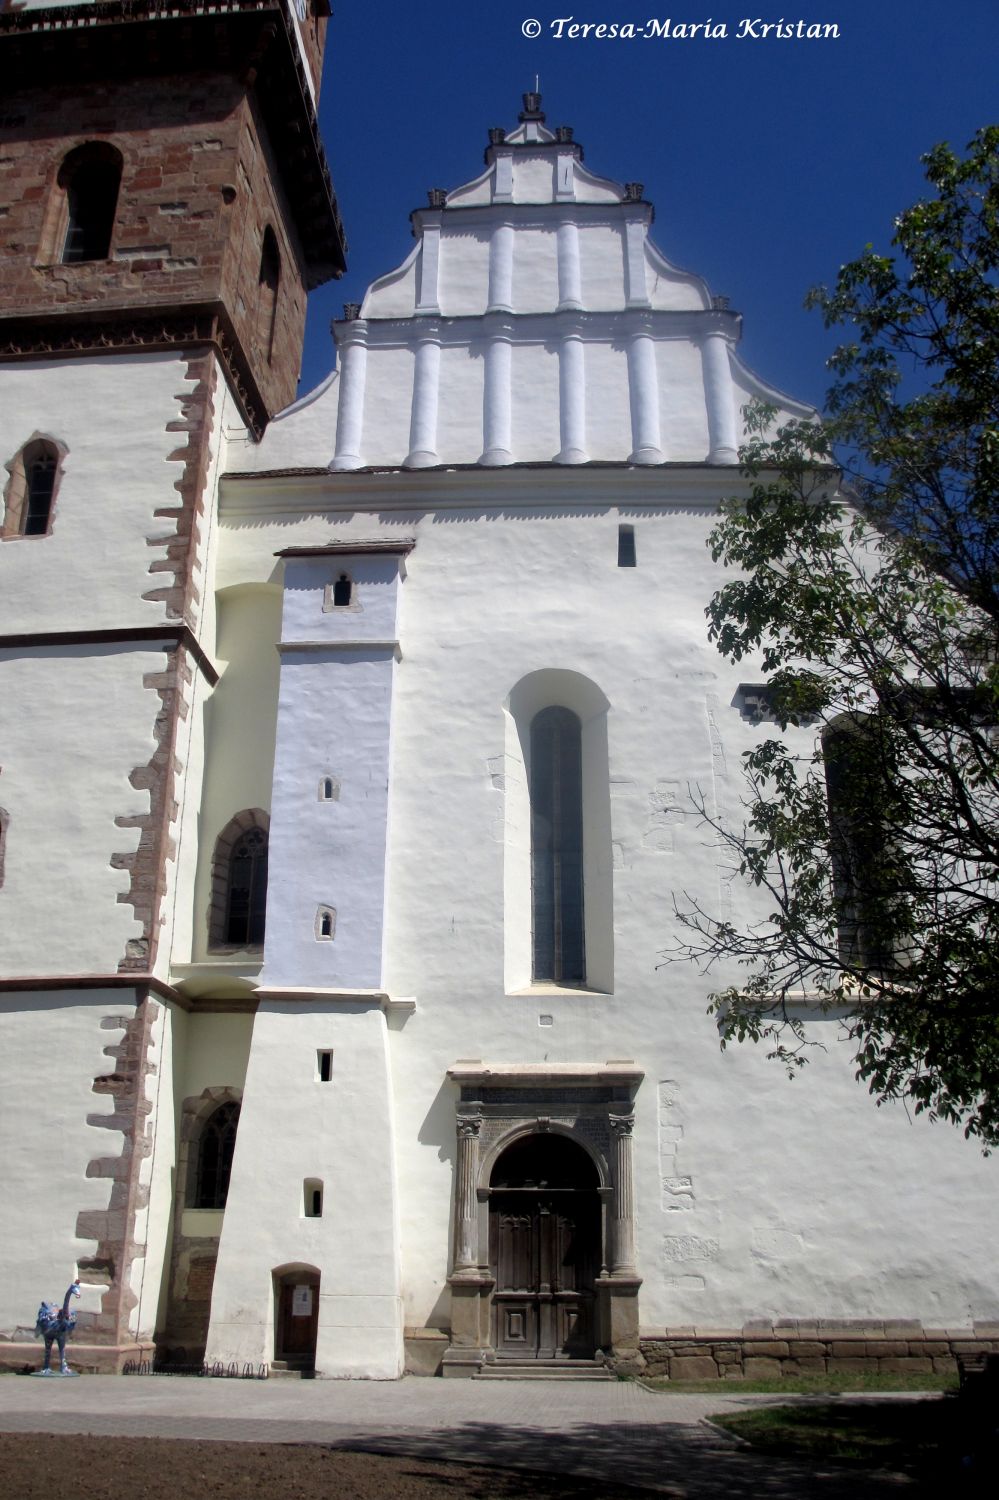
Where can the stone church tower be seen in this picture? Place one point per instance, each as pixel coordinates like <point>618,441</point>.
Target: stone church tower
<point>165,207</point>
<point>346,762</point>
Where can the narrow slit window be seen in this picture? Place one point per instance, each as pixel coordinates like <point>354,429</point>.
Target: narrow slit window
<point>325,1057</point>
<point>557,847</point>
<point>342,591</point>
<point>626,556</point>
<point>312,1192</point>
<point>267,291</point>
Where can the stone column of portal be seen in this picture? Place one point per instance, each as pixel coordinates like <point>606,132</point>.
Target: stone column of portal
<point>501,269</point>
<point>353,351</point>
<point>643,391</point>
<point>496,398</point>
<point>723,439</point>
<point>572,398</point>
<point>466,1202</point>
<point>623,1213</point>
<point>426,384</point>
<point>570,284</point>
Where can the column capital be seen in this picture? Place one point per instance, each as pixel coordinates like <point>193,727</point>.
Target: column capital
<point>621,1125</point>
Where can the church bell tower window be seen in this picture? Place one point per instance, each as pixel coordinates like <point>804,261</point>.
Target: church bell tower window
<point>90,177</point>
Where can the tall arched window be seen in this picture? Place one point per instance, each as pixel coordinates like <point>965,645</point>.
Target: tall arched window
<point>557,848</point>
<point>239,882</point>
<point>90,178</point>
<point>267,300</point>
<point>214,1161</point>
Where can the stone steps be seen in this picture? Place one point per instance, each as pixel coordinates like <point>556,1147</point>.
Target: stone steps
<point>541,1369</point>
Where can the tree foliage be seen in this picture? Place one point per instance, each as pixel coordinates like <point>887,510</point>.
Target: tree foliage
<point>873,826</point>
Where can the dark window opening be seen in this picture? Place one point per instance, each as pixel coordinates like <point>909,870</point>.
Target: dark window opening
<point>39,486</point>
<point>267,295</point>
<point>326,924</point>
<point>863,855</point>
<point>557,847</point>
<point>342,591</point>
<point>91,177</point>
<point>325,1067</point>
<point>247,896</point>
<point>626,557</point>
<point>215,1150</point>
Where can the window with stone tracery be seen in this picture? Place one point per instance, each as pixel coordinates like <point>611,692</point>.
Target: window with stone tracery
<point>216,1146</point>
<point>239,883</point>
<point>30,492</point>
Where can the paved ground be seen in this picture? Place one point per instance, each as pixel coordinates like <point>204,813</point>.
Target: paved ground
<point>617,1431</point>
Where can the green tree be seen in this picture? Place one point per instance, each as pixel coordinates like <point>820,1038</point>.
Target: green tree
<point>873,604</point>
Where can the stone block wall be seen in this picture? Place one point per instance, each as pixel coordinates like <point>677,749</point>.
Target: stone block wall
<point>820,1347</point>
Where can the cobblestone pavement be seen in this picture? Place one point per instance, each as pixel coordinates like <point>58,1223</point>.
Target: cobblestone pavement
<point>615,1431</point>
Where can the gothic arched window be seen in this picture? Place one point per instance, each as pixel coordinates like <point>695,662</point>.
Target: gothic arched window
<point>90,177</point>
<point>239,882</point>
<point>30,492</point>
<point>557,848</point>
<point>214,1163</point>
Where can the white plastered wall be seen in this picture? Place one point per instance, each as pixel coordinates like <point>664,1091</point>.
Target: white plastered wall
<point>294,1126</point>
<point>52,1044</point>
<point>64,791</point>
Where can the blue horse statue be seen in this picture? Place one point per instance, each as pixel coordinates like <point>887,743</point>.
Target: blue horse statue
<point>55,1324</point>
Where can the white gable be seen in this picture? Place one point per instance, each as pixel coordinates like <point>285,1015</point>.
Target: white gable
<point>536,321</point>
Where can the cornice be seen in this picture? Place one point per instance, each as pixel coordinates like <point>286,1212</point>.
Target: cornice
<point>175,635</point>
<point>38,983</point>
<point>605,484</point>
<point>78,333</point>
<point>599,326</point>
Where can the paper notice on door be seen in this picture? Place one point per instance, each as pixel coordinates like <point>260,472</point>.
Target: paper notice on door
<point>301,1302</point>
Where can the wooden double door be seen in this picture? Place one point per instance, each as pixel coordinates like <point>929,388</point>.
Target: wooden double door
<point>545,1256</point>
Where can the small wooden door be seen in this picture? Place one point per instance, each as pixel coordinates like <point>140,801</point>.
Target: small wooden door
<point>545,1256</point>
<point>298,1319</point>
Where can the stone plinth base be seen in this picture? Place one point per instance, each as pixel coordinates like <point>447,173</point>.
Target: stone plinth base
<point>820,1347</point>
<point>425,1348</point>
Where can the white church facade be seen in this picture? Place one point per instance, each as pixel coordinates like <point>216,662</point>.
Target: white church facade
<point>345,777</point>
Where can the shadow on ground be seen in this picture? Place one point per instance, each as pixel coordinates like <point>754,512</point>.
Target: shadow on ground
<point>696,1462</point>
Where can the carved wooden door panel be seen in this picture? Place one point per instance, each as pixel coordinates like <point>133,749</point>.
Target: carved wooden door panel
<point>544,1253</point>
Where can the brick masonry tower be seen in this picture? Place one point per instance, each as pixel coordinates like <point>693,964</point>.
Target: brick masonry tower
<point>165,206</point>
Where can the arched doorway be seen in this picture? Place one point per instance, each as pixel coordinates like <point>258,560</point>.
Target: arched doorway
<point>544,1249</point>
<point>296,1322</point>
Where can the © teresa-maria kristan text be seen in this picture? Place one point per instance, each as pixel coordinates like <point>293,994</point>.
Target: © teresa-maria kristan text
<point>750,28</point>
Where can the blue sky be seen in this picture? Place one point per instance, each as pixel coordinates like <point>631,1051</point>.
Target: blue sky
<point>770,162</point>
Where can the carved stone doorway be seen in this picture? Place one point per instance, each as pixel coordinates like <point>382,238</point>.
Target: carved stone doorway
<point>544,1250</point>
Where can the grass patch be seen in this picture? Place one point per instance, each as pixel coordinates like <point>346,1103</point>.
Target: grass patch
<point>807,1385</point>
<point>912,1436</point>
